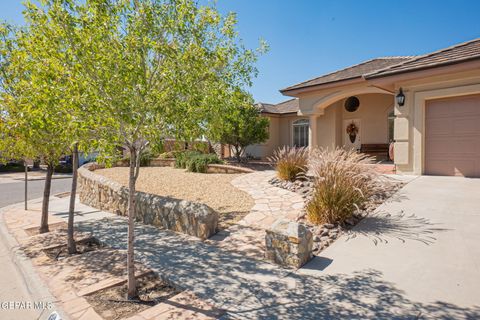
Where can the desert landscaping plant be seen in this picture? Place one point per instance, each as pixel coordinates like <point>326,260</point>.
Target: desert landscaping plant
<point>199,163</point>
<point>182,157</point>
<point>194,161</point>
<point>344,181</point>
<point>290,162</point>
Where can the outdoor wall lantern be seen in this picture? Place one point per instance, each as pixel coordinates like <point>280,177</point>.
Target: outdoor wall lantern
<point>400,98</point>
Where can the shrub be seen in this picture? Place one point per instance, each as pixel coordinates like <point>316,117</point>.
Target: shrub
<point>200,162</point>
<point>201,146</point>
<point>182,157</point>
<point>343,182</point>
<point>157,147</point>
<point>290,162</point>
<point>195,161</point>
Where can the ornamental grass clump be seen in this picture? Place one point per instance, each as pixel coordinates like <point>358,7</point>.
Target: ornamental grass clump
<point>344,181</point>
<point>291,163</point>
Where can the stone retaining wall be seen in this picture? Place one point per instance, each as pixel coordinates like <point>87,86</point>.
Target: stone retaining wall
<point>183,216</point>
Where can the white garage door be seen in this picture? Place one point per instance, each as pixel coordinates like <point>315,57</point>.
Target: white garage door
<point>452,136</point>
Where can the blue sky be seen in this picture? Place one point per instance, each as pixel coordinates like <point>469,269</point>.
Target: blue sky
<point>308,38</point>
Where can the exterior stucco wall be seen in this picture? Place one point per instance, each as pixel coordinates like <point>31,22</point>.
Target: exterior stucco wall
<point>410,118</point>
<point>281,134</point>
<point>327,128</point>
<point>265,149</point>
<point>373,115</point>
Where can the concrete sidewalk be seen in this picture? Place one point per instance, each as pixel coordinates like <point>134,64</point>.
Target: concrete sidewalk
<point>349,280</point>
<point>20,282</point>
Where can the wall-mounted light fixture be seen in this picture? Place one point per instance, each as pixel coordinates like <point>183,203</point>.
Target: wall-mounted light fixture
<point>400,98</point>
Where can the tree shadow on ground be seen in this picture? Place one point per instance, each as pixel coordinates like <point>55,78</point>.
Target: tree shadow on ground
<point>381,227</point>
<point>227,219</point>
<point>252,289</point>
<point>361,295</point>
<point>247,240</point>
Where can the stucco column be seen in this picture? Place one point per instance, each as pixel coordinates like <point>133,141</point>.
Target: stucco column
<point>312,132</point>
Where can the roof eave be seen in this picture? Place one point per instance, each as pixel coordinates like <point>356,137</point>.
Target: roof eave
<point>279,113</point>
<point>294,92</point>
<point>421,68</point>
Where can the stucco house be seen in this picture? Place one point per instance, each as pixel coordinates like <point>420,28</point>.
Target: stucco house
<point>429,105</point>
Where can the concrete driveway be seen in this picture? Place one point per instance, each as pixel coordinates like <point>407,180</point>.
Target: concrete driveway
<point>423,246</point>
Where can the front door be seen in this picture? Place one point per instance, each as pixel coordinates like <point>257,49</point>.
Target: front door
<point>351,140</point>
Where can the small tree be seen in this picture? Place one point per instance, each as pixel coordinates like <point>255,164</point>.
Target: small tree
<point>157,68</point>
<point>48,109</point>
<point>30,94</point>
<point>241,127</point>
<point>57,22</point>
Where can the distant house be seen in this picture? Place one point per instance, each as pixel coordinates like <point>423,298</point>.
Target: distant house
<point>429,105</point>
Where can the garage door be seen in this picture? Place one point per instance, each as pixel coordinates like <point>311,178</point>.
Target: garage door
<point>452,136</point>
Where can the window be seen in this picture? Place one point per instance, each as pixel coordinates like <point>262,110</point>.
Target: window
<point>391,121</point>
<point>300,133</point>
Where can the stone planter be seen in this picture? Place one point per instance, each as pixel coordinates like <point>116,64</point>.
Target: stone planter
<point>162,162</point>
<point>288,243</point>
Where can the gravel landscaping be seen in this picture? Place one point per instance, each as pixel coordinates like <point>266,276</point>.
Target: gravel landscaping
<point>213,189</point>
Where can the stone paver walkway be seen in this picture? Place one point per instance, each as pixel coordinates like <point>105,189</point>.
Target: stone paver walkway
<point>271,203</point>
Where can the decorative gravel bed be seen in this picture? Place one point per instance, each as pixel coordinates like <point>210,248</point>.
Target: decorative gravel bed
<point>325,234</point>
<point>212,189</point>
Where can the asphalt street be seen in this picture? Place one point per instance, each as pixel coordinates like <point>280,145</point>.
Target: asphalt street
<point>13,192</point>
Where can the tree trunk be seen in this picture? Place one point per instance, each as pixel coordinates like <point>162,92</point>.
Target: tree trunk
<point>131,285</point>
<point>46,199</point>
<point>238,153</point>
<point>72,248</point>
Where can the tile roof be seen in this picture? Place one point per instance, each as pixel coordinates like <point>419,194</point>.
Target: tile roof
<point>289,106</point>
<point>352,72</point>
<point>458,53</point>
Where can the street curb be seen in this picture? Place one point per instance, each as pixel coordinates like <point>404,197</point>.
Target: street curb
<point>41,178</point>
<point>37,289</point>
